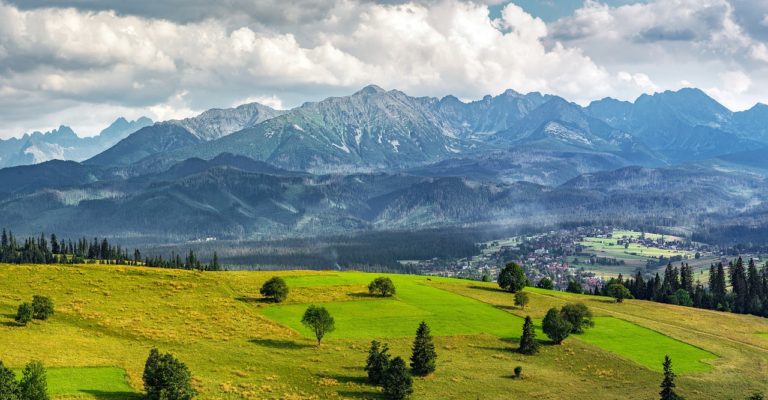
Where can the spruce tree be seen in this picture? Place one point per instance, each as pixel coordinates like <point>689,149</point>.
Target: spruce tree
<point>9,388</point>
<point>33,384</point>
<point>528,343</point>
<point>668,384</point>
<point>377,363</point>
<point>424,355</point>
<point>398,384</point>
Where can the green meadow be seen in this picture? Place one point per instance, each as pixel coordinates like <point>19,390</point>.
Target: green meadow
<point>240,347</point>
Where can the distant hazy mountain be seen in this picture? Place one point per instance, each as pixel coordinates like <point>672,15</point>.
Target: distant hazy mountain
<point>174,134</point>
<point>683,125</point>
<point>64,144</point>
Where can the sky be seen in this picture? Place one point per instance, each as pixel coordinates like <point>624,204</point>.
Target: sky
<point>84,63</point>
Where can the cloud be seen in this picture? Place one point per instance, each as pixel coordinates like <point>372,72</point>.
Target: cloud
<point>176,58</point>
<point>670,41</point>
<point>66,56</point>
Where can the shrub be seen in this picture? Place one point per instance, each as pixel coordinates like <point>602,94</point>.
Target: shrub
<point>167,378</point>
<point>42,307</point>
<point>275,288</point>
<point>319,320</point>
<point>382,286</point>
<point>24,313</point>
<point>521,299</point>
<point>556,328</point>
<point>33,384</point>
<point>398,384</point>
<point>579,315</point>
<point>518,371</point>
<point>512,278</point>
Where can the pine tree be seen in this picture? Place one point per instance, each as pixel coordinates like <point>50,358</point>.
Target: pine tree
<point>377,363</point>
<point>528,343</point>
<point>739,286</point>
<point>668,384</point>
<point>8,386</point>
<point>424,354</point>
<point>33,384</point>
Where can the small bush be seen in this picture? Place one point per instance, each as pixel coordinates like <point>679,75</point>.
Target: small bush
<point>518,371</point>
<point>275,288</point>
<point>24,313</point>
<point>42,307</point>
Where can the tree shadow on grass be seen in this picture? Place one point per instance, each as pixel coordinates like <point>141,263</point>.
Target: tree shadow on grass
<point>346,379</point>
<point>280,344</point>
<point>367,295</point>
<point>257,300</point>
<point>359,394</point>
<point>102,395</point>
<point>487,288</point>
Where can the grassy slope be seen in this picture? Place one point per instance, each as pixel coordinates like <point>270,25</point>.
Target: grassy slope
<point>112,316</point>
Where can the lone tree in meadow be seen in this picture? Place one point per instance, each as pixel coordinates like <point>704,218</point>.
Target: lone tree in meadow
<point>9,388</point>
<point>275,288</point>
<point>512,278</point>
<point>378,363</point>
<point>528,343</point>
<point>668,384</point>
<point>398,384</point>
<point>167,378</point>
<point>424,354</point>
<point>24,313</point>
<point>619,292</point>
<point>382,286</point>
<point>319,320</point>
<point>555,326</point>
<point>521,299</point>
<point>579,315</point>
<point>42,307</point>
<point>33,384</point>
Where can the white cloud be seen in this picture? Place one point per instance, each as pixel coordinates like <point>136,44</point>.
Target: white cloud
<point>58,61</point>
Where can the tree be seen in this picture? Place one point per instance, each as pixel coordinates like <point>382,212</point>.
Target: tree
<point>668,384</point>
<point>528,343</point>
<point>521,299</point>
<point>619,292</point>
<point>574,286</point>
<point>382,286</point>
<point>545,283</point>
<point>555,327</point>
<point>166,378</point>
<point>42,307</point>
<point>275,288</point>
<point>518,372</point>
<point>512,278</point>
<point>33,384</point>
<point>424,355</point>
<point>680,297</point>
<point>578,315</point>
<point>9,388</point>
<point>24,313</point>
<point>398,384</point>
<point>319,320</point>
<point>378,363</point>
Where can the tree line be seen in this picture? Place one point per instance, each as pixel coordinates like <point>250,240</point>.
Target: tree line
<point>52,250</point>
<point>748,292</point>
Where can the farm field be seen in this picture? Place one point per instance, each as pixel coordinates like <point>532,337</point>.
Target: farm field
<point>239,347</point>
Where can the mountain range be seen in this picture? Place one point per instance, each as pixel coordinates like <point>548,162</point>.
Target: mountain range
<point>382,160</point>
